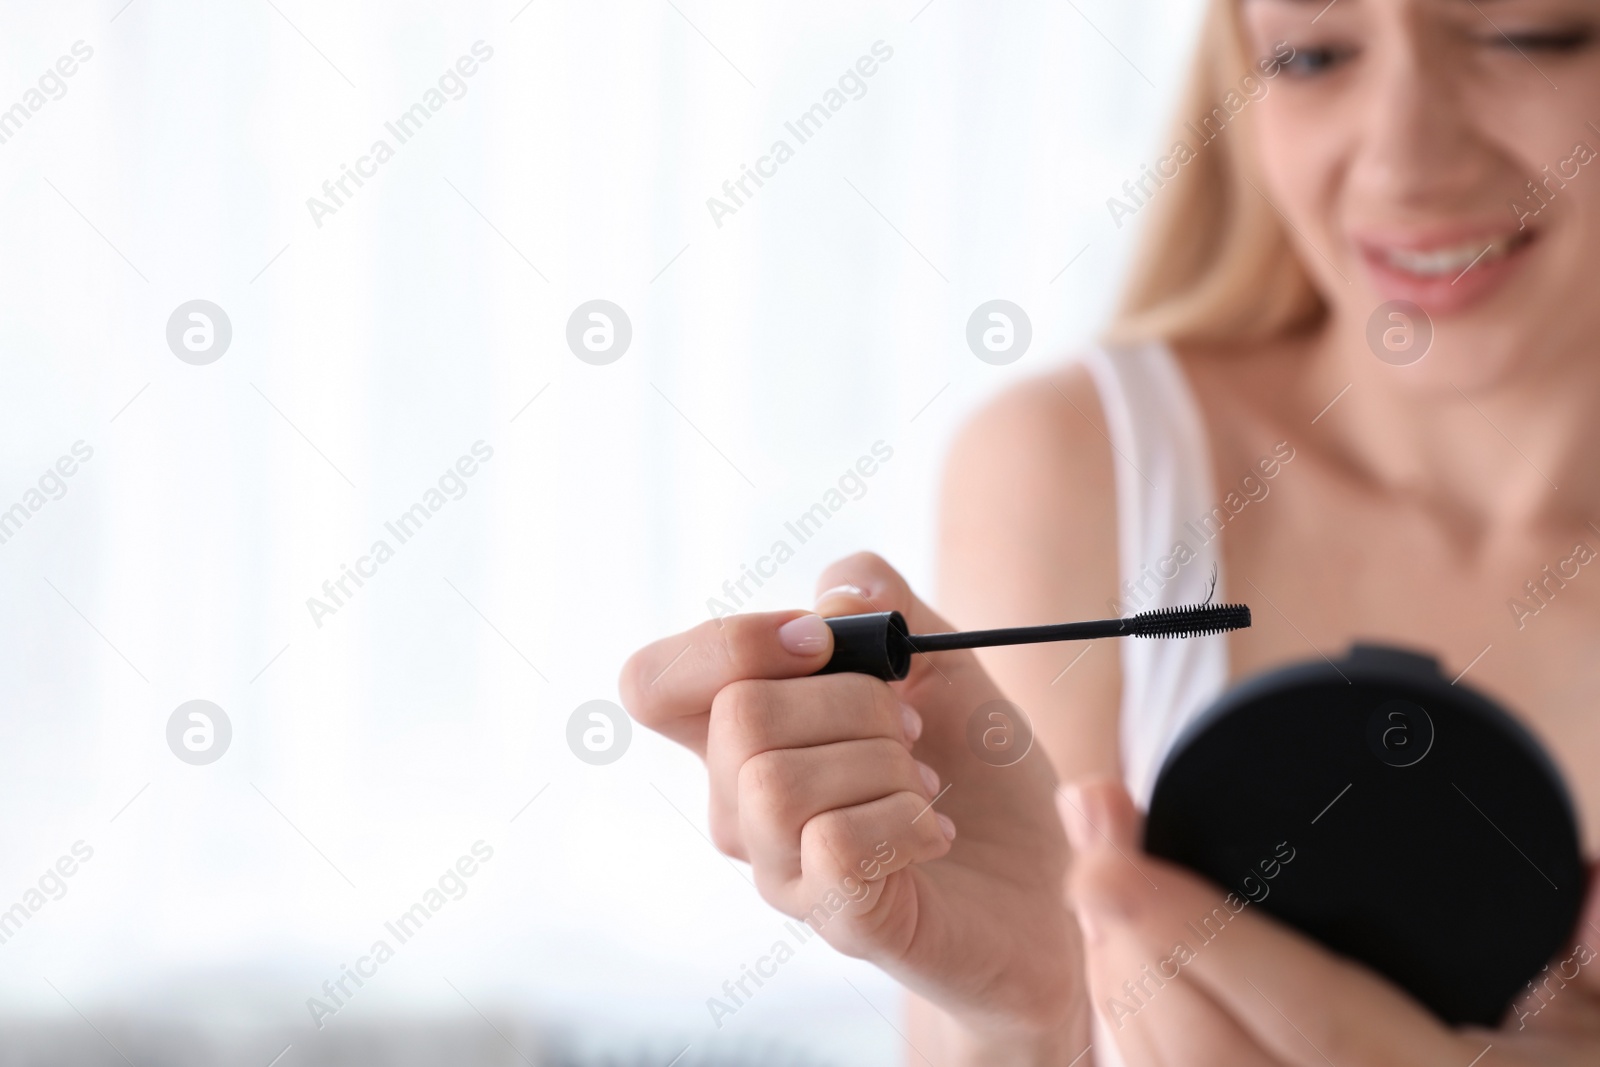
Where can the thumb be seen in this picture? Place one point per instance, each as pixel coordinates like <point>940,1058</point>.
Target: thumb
<point>1104,828</point>
<point>1099,814</point>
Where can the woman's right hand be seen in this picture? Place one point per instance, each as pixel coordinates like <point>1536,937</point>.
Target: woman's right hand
<point>824,785</point>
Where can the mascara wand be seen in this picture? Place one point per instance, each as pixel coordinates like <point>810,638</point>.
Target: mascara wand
<point>880,645</point>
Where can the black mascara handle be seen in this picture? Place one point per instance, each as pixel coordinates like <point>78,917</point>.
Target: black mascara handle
<point>875,644</point>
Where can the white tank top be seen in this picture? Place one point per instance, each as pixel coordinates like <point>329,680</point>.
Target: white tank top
<point>1167,550</point>
<point>1167,553</point>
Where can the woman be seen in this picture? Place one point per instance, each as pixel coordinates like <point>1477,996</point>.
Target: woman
<point>1427,151</point>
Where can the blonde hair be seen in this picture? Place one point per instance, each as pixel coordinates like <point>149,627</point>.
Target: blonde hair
<point>1215,263</point>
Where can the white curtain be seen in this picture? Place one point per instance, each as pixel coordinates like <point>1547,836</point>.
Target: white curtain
<point>376,339</point>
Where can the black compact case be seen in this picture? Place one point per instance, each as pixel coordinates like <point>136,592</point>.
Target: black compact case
<point>1431,837</point>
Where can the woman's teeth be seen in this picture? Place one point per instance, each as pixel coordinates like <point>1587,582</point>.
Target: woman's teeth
<point>1454,259</point>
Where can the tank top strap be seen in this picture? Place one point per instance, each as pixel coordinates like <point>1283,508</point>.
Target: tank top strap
<point>1168,524</point>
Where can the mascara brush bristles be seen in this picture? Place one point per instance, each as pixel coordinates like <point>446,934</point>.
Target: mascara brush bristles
<point>1195,621</point>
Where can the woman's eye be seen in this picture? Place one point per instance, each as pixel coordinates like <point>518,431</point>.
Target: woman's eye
<point>1309,62</point>
<point>1563,40</point>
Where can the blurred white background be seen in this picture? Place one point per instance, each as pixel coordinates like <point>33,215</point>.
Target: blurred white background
<point>369,352</point>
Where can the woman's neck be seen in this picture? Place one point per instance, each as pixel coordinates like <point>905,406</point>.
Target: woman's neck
<point>1500,447</point>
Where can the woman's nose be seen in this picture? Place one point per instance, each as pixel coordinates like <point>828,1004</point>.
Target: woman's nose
<point>1419,139</point>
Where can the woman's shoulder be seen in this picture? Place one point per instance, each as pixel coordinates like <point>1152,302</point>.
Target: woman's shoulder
<point>1032,469</point>
<point>1028,534</point>
<point>1047,426</point>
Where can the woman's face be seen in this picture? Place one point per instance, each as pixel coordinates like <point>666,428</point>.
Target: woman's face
<point>1446,153</point>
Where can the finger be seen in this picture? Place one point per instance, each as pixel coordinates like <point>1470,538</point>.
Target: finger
<point>839,849</point>
<point>1172,1022</point>
<point>1298,1001</point>
<point>1103,809</point>
<point>866,583</point>
<point>756,716</point>
<point>1565,994</point>
<point>1586,941</point>
<point>1152,1012</point>
<point>1160,1020</point>
<point>783,789</point>
<point>669,685</point>
<point>751,717</point>
<point>1307,1004</point>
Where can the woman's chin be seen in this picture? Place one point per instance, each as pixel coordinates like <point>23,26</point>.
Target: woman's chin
<point>1492,345</point>
<point>1470,358</point>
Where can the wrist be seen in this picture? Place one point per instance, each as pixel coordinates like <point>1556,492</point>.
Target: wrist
<point>964,1040</point>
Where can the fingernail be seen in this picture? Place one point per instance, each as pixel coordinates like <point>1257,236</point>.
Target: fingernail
<point>840,590</point>
<point>805,636</point>
<point>930,777</point>
<point>946,825</point>
<point>911,721</point>
<point>1081,834</point>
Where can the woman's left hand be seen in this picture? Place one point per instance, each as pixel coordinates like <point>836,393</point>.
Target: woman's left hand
<point>1261,993</point>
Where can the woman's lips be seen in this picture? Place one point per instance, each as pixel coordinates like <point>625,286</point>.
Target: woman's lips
<point>1446,274</point>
